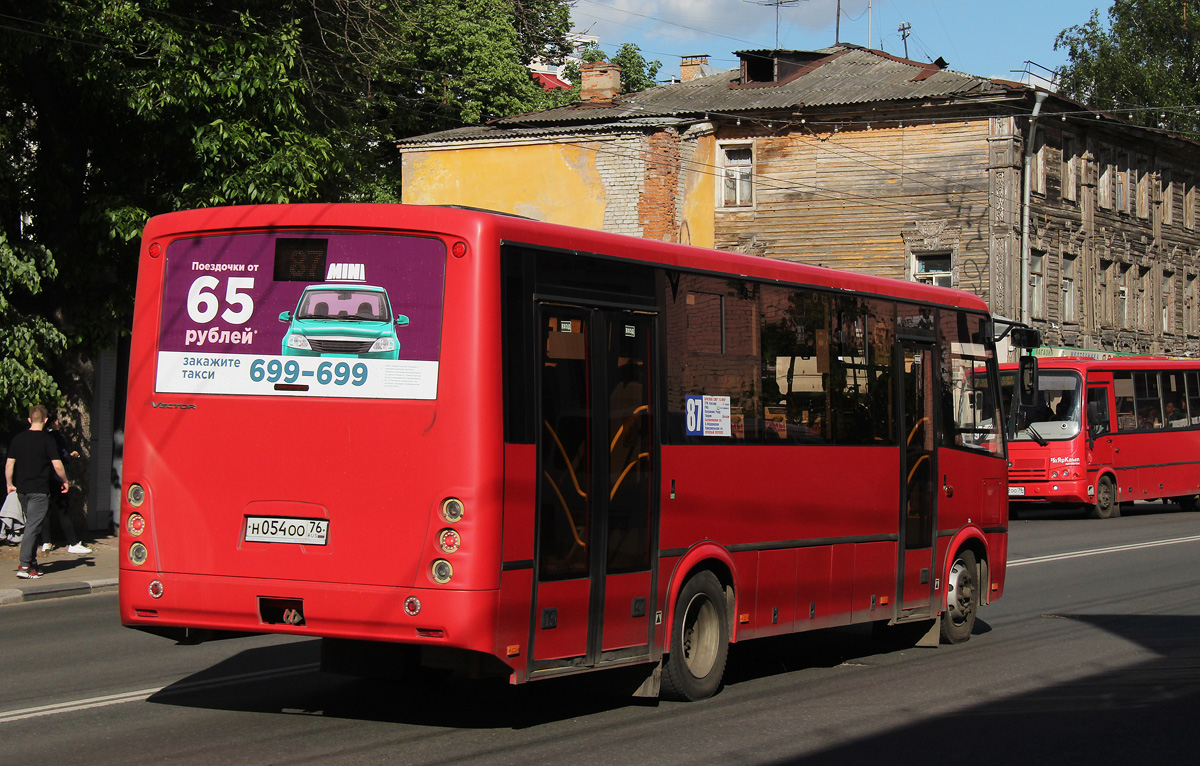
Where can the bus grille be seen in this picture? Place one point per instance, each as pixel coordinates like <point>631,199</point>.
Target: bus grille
<point>1027,470</point>
<point>324,346</point>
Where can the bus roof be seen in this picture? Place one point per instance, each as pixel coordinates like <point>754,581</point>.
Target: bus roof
<point>1083,363</point>
<point>515,229</point>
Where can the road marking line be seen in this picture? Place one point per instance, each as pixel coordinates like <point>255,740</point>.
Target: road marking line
<point>1100,551</point>
<point>144,694</point>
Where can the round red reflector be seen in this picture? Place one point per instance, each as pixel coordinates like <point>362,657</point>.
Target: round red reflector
<point>155,249</point>
<point>156,589</point>
<point>136,524</point>
<point>449,540</point>
<point>459,249</point>
<point>412,606</point>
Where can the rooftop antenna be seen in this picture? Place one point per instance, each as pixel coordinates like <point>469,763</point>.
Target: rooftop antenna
<point>777,4</point>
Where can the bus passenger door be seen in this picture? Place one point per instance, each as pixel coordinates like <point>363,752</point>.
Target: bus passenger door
<point>596,488</point>
<point>918,476</point>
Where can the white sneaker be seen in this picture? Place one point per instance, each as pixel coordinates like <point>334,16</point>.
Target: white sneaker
<point>78,548</point>
<point>46,547</point>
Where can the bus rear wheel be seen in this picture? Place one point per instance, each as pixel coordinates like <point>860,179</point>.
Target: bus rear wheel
<point>1106,506</point>
<point>962,598</point>
<point>699,641</point>
<point>1186,503</point>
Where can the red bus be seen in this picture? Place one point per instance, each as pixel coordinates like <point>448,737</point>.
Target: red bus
<point>1106,432</point>
<point>472,441</point>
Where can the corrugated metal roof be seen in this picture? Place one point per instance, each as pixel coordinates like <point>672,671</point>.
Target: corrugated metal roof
<point>844,75</point>
<point>837,76</point>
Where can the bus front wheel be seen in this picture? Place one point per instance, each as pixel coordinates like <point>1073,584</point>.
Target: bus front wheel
<point>962,598</point>
<point>1106,506</point>
<point>699,640</point>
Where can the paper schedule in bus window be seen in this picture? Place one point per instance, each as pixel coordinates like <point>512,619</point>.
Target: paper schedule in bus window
<point>302,314</point>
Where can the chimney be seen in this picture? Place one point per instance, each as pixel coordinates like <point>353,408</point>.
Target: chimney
<point>690,66</point>
<point>601,81</point>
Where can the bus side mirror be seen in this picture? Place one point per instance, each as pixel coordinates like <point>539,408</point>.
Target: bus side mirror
<point>1028,375</point>
<point>1026,337</point>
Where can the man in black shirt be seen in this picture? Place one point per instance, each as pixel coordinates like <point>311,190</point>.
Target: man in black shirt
<point>32,455</point>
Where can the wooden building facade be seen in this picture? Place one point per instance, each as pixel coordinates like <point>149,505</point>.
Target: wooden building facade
<point>855,159</point>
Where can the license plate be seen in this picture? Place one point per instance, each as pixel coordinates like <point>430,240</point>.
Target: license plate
<point>272,529</point>
<point>1016,491</point>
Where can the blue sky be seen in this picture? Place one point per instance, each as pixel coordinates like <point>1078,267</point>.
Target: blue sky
<point>990,38</point>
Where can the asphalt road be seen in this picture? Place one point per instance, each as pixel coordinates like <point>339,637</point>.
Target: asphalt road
<point>1093,656</point>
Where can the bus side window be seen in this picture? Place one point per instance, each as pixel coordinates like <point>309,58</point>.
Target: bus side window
<point>1193,396</point>
<point>1097,411</point>
<point>1123,389</point>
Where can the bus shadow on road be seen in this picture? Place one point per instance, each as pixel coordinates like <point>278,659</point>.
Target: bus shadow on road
<point>1144,713</point>
<point>285,679</point>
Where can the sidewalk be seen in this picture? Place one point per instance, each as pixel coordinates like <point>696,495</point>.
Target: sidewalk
<point>66,574</point>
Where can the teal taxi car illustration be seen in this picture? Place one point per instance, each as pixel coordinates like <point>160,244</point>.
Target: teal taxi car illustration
<point>343,321</point>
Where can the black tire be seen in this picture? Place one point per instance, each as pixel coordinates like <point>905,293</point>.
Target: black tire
<point>1186,503</point>
<point>1106,506</point>
<point>699,641</point>
<point>962,598</point>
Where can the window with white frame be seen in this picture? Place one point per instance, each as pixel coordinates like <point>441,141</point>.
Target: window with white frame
<point>1191,307</point>
<point>933,268</point>
<point>738,186</point>
<point>1037,284</point>
<point>1121,183</point>
<point>1122,315</point>
<point>1069,296</point>
<point>1104,294</point>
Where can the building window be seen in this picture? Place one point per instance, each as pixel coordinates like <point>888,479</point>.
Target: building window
<point>1168,301</point>
<point>738,189</point>
<point>1145,300</point>
<point>1121,184</point>
<point>1143,188</point>
<point>1037,284</point>
<point>1190,314</point>
<point>1189,201</point>
<point>1104,294</point>
<point>1122,315</point>
<point>933,269</point>
<point>1070,170</point>
<point>1168,196</point>
<point>1038,163</point>
<point>1105,184</point>
<point>1069,311</point>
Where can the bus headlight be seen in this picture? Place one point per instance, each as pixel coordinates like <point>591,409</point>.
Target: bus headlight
<point>136,495</point>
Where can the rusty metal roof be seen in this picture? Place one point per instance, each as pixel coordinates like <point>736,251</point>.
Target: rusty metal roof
<point>839,76</point>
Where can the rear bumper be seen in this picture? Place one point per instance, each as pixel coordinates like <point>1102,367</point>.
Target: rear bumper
<point>448,618</point>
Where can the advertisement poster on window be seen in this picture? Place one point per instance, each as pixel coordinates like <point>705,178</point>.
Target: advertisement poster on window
<point>302,314</point>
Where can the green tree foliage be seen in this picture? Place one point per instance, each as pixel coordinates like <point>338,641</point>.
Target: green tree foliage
<point>115,110</point>
<point>636,73</point>
<point>1143,65</point>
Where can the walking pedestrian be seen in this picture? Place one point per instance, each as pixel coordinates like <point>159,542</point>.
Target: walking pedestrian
<point>60,511</point>
<point>32,455</point>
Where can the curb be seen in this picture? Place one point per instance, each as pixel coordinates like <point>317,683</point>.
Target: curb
<point>58,590</point>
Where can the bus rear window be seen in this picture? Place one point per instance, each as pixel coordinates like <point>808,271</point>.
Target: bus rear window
<point>302,314</point>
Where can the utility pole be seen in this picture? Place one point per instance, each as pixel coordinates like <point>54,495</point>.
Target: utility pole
<point>837,25</point>
<point>903,30</point>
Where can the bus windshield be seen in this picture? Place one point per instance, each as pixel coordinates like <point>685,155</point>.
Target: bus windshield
<point>1055,416</point>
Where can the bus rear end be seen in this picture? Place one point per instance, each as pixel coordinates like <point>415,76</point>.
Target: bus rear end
<point>299,455</point>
